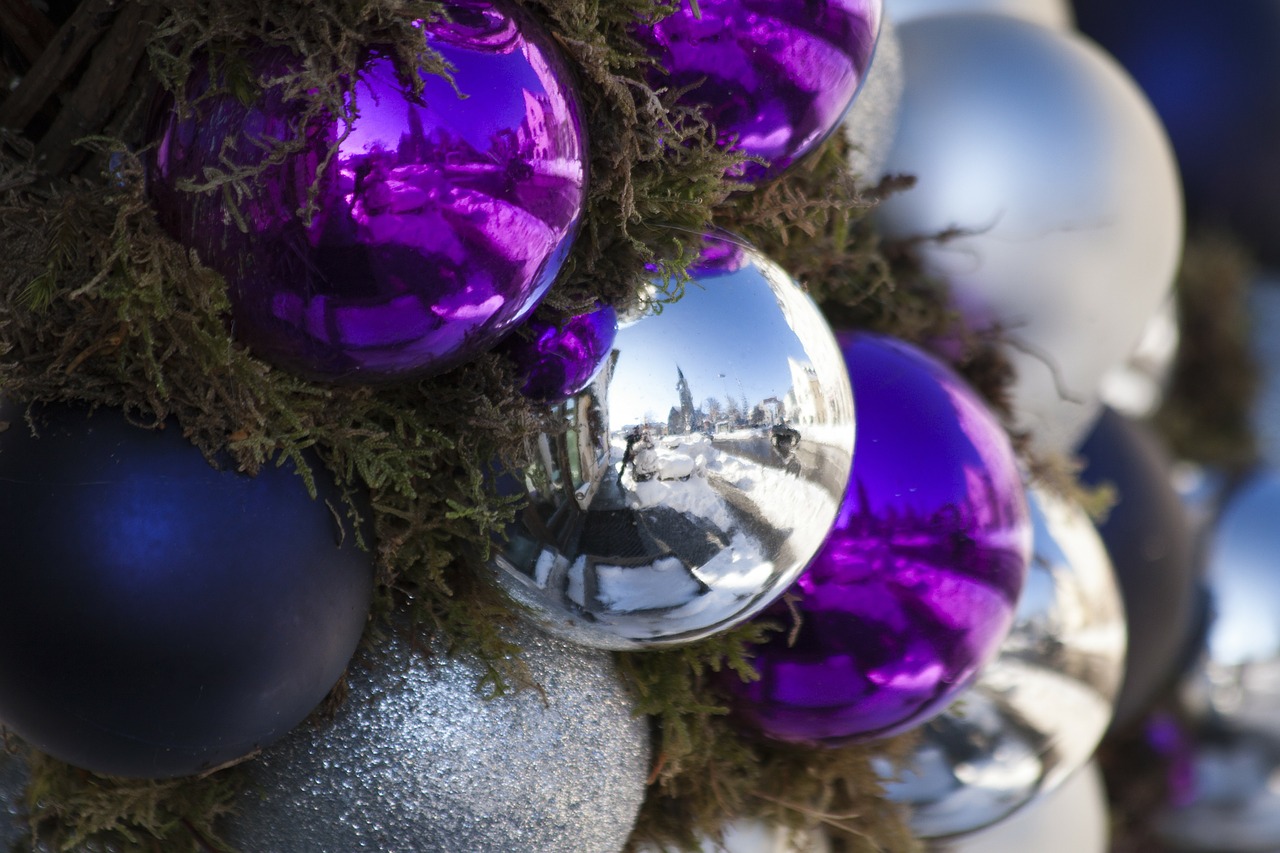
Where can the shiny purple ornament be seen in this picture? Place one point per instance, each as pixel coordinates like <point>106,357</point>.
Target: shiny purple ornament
<point>916,586</point>
<point>558,361</point>
<point>440,222</point>
<point>775,76</point>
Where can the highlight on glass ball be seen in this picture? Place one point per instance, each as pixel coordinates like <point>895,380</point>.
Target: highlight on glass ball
<point>160,617</point>
<point>558,360</point>
<point>774,77</point>
<point>440,221</point>
<point>916,586</point>
<point>1038,711</point>
<point>691,482</point>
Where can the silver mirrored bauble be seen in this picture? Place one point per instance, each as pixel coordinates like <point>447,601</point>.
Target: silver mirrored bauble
<point>1136,387</point>
<point>1073,819</point>
<point>1049,13</point>
<point>698,474</point>
<point>1264,339</point>
<point>754,836</point>
<point>872,121</point>
<point>1233,801</point>
<point>1039,146</point>
<point>417,759</point>
<point>1036,713</point>
<point>1237,678</point>
<point>13,786</point>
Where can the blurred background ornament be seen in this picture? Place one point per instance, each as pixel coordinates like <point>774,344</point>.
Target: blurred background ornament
<point>916,586</point>
<point>754,836</point>
<point>774,77</point>
<point>1048,13</point>
<point>1149,538</point>
<point>1136,387</point>
<point>1038,711</point>
<point>872,121</point>
<point>418,759</point>
<point>1073,819</point>
<point>439,224</point>
<point>696,475</point>
<point>1264,346</point>
<point>559,360</point>
<point>1039,148</point>
<point>159,617</point>
<point>1212,72</point>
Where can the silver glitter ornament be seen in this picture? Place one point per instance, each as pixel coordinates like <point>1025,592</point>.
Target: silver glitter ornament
<point>417,760</point>
<point>693,480</point>
<point>1036,714</point>
<point>872,121</point>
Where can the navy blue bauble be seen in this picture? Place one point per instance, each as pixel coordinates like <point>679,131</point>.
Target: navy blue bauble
<point>159,617</point>
<point>1212,71</point>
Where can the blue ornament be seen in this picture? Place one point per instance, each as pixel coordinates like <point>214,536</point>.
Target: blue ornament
<point>159,617</point>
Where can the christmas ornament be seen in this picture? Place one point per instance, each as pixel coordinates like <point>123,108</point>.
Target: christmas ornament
<point>1049,13</point>
<point>559,360</point>
<point>1237,678</point>
<point>418,759</point>
<point>1072,819</point>
<point>1264,344</point>
<point>440,222</point>
<point>1038,711</point>
<point>1037,145</point>
<point>916,586</point>
<point>1148,537</point>
<point>1212,72</point>
<point>13,787</point>
<point>696,475</point>
<point>1230,804</point>
<point>774,77</point>
<point>753,836</point>
<point>872,121</point>
<point>1136,388</point>
<point>159,617</point>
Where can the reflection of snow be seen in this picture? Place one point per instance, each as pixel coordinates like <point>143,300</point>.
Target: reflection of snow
<point>662,583</point>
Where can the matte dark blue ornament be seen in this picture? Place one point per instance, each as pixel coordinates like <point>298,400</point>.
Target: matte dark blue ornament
<point>159,617</point>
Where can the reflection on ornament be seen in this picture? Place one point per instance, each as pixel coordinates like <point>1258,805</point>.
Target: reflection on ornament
<point>872,121</point>
<point>1038,711</point>
<point>774,77</point>
<point>1049,13</point>
<point>1073,819</point>
<point>1148,537</point>
<point>753,836</point>
<point>558,361</point>
<point>1136,387</point>
<point>1264,346</point>
<point>13,808</point>
<point>417,759</point>
<point>696,475</point>
<point>440,222</point>
<point>1037,143</point>
<point>159,617</point>
<point>916,586</point>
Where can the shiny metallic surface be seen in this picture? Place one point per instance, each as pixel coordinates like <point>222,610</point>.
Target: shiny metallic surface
<point>774,77</point>
<point>872,121</point>
<point>440,221</point>
<point>1040,145</point>
<point>558,360</point>
<point>1236,680</point>
<point>1037,712</point>
<point>698,473</point>
<point>13,787</point>
<point>1049,13</point>
<point>754,836</point>
<point>419,760</point>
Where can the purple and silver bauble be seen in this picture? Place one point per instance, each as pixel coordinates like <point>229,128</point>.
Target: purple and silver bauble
<point>556,361</point>
<point>439,220</point>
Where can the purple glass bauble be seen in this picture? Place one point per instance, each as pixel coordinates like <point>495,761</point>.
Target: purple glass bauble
<point>441,220</point>
<point>775,76</point>
<point>917,583</point>
<point>558,361</point>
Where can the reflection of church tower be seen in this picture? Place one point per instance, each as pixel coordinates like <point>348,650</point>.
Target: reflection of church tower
<point>686,401</point>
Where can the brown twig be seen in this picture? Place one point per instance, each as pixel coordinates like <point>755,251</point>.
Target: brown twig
<point>24,25</point>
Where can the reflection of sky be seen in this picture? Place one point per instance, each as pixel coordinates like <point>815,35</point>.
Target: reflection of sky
<point>728,336</point>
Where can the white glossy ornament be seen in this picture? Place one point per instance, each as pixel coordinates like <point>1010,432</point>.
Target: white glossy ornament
<point>755,836</point>
<point>1072,819</point>
<point>872,121</point>
<point>1041,148</point>
<point>1048,13</point>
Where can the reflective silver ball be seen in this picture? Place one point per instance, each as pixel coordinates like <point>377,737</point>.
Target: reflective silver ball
<point>13,786</point>
<point>691,483</point>
<point>418,760</point>
<point>872,121</point>
<point>1036,713</point>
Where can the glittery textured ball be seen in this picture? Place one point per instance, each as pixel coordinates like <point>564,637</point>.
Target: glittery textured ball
<point>418,760</point>
<point>916,586</point>
<point>774,76</point>
<point>559,360</point>
<point>440,222</point>
<point>160,617</point>
<point>13,810</point>
<point>686,488</point>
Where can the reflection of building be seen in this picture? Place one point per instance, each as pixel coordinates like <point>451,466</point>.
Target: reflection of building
<point>687,416</point>
<point>807,401</point>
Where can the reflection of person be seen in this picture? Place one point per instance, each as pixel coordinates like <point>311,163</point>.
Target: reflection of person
<point>784,439</point>
<point>633,438</point>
